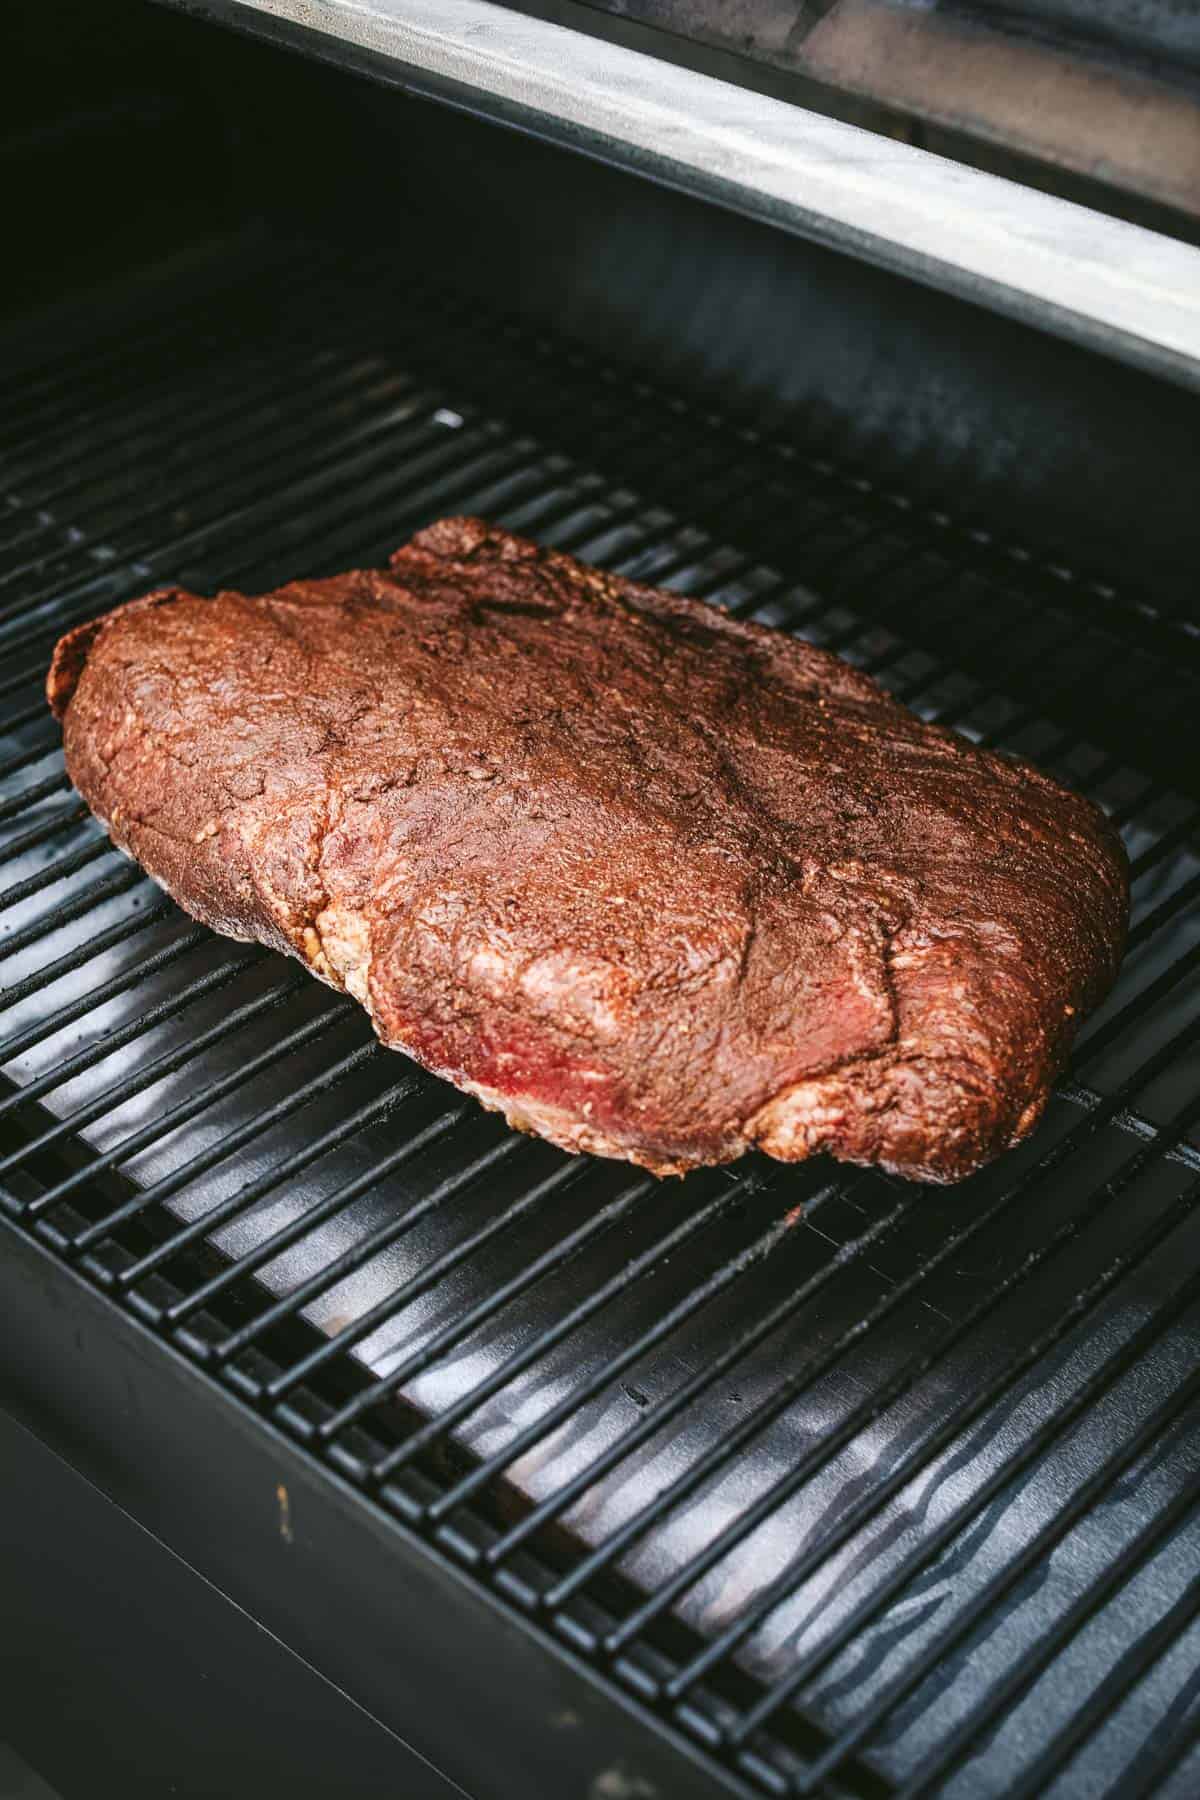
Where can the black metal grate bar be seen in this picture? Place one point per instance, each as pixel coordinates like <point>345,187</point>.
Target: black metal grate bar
<point>1022,1676</point>
<point>810,1666</point>
<point>41,834</point>
<point>209,983</point>
<point>1156,1427</point>
<point>283,1239</point>
<point>179,1114</point>
<point>381,1389</point>
<point>870,1408</point>
<point>75,959</point>
<point>1156,1759</point>
<point>298,350</point>
<point>31,796</point>
<point>66,865</point>
<point>72,437</point>
<point>60,382</point>
<point>85,901</point>
<point>728,1273</point>
<point>261,1122</point>
<point>375,1110</point>
<point>752,1424</point>
<point>631,1272</point>
<point>87,1002</point>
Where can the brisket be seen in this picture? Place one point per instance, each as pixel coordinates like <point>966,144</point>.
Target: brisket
<point>656,883</point>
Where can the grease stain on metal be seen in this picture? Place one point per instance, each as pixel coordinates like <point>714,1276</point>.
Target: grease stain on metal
<point>620,1783</point>
<point>285,1513</point>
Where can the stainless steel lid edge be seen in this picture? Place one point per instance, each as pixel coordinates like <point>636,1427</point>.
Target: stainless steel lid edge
<point>1127,291</point>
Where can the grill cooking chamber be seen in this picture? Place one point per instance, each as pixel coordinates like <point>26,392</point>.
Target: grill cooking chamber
<point>775,1480</point>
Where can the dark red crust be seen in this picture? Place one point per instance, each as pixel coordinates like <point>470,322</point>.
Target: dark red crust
<point>657,883</point>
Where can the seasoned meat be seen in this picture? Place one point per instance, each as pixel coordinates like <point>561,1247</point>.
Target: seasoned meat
<point>655,883</point>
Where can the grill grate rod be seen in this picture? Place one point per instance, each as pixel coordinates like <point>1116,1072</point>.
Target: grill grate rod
<point>210,982</point>
<point>869,1409</point>
<point>453,324</point>
<point>1165,633</point>
<point>996,641</point>
<point>940,671</point>
<point>24,759</point>
<point>1048,696</point>
<point>449,319</point>
<point>590,1231</point>
<point>416,1285</point>
<point>678,560</point>
<point>872,1406</point>
<point>68,910</point>
<point>274,376</point>
<point>1167,909</point>
<point>532,461</point>
<point>65,379</point>
<point>1161,1755</point>
<point>745,1260</point>
<point>1171,839</point>
<point>75,814</point>
<point>951,569</point>
<point>58,870</point>
<point>752,1424</point>
<point>37,452</point>
<point>375,448</point>
<point>333,1203</point>
<point>434,454</point>
<point>1182,1209</point>
<point>706,1215</point>
<point>362,1252</point>
<point>1151,1430</point>
<point>31,796</point>
<point>525,456</point>
<point>579,1314</point>
<point>90,852</point>
<point>427,446</point>
<point>181,1310</point>
<point>371,1113</point>
<point>174,1116</point>
<point>30,715</point>
<point>908,692</point>
<point>385,1385</point>
<point>658,1417</point>
<point>1180,1212</point>
<point>108,939</point>
<point>46,877</point>
<point>1035,1661</point>
<point>1103,1035</point>
<point>123,872</point>
<point>33,672</point>
<point>580,1395</point>
<point>42,753</point>
<point>68,1012</point>
<point>252,459</point>
<point>211,447</point>
<point>1158,1758</point>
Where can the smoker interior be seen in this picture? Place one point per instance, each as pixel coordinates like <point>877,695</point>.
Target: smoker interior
<point>858,1487</point>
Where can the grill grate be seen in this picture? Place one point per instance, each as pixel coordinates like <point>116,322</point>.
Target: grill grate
<point>866,1488</point>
